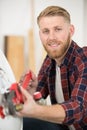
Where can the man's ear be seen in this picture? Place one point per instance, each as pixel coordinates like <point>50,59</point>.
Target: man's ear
<point>72,30</point>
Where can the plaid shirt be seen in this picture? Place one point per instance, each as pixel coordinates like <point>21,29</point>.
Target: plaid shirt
<point>74,84</point>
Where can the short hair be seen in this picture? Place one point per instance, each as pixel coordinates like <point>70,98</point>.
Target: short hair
<point>54,11</point>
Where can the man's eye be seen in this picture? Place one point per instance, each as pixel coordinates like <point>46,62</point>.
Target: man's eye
<point>45,31</point>
<point>58,29</point>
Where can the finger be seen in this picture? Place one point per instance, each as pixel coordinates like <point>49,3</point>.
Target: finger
<point>24,92</point>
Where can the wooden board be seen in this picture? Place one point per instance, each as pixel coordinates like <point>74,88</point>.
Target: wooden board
<point>14,51</point>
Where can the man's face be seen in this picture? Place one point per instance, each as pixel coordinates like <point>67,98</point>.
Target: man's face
<point>55,34</point>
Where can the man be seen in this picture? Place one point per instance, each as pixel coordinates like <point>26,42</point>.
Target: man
<point>63,74</point>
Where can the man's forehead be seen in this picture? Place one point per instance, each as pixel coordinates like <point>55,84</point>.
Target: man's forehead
<point>51,22</point>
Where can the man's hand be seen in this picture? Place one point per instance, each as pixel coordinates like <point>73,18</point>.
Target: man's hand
<point>52,113</point>
<point>28,106</point>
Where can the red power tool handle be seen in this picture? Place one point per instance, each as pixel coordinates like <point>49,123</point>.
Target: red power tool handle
<point>26,81</point>
<point>27,78</point>
<point>18,96</point>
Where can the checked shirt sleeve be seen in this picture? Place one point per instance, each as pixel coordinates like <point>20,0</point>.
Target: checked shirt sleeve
<point>76,107</point>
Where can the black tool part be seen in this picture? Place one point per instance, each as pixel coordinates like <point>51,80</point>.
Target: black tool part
<point>9,96</point>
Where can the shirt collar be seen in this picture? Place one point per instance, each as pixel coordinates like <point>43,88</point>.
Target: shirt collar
<point>69,54</point>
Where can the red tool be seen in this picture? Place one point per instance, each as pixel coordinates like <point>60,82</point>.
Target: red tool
<point>15,87</point>
<point>14,98</point>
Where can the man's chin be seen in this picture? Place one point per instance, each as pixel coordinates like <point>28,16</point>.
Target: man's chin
<point>52,56</point>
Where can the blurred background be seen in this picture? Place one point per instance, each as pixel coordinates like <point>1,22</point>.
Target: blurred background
<point>19,38</point>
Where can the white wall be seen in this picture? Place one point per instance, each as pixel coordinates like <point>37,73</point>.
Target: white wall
<point>15,19</point>
<point>85,22</point>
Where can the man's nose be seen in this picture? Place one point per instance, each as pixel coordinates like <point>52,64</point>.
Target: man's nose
<point>51,36</point>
